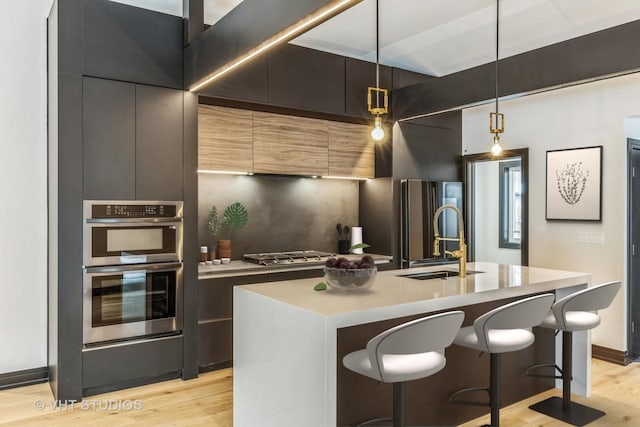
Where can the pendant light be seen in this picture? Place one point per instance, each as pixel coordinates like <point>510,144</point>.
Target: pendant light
<point>496,119</point>
<point>377,133</point>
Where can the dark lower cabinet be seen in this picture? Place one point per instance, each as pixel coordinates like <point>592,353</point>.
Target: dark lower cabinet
<point>108,139</point>
<point>216,344</point>
<point>215,314</point>
<point>132,141</point>
<point>215,323</point>
<point>128,365</point>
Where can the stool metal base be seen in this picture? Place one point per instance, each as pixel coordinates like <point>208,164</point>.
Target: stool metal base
<point>577,414</point>
<point>495,361</point>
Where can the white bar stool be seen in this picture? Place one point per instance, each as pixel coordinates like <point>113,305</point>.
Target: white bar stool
<point>501,330</point>
<point>407,352</point>
<point>575,312</point>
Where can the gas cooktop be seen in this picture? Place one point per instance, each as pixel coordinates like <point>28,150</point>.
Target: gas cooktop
<point>287,258</point>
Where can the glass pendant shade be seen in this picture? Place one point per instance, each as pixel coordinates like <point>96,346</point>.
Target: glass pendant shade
<point>496,148</point>
<point>377,133</point>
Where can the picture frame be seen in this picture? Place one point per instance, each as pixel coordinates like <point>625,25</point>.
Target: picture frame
<point>574,184</point>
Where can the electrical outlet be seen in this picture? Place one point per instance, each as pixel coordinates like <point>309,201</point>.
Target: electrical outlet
<point>591,237</point>
<point>597,237</point>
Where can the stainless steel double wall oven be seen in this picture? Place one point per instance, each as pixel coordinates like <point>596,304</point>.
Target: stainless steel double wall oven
<point>132,270</point>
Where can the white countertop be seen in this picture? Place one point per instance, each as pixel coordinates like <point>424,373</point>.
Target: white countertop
<point>242,268</point>
<point>390,289</point>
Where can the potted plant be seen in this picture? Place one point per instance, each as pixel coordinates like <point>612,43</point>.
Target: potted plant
<point>234,216</point>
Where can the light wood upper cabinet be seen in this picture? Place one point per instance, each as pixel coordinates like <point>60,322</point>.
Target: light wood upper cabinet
<point>236,140</point>
<point>225,139</point>
<point>351,150</point>
<point>290,145</point>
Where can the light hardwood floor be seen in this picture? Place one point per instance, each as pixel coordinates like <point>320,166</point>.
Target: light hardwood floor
<point>207,401</point>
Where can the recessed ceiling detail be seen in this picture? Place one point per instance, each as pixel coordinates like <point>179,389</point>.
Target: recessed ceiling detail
<point>213,9</point>
<point>440,37</point>
<point>170,7</point>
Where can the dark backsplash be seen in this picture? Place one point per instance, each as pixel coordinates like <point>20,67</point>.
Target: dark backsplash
<point>285,213</point>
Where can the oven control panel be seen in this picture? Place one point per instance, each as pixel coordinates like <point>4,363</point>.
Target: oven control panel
<point>133,211</point>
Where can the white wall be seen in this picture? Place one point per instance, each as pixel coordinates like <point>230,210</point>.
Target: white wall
<point>580,116</point>
<point>23,185</point>
<point>487,216</point>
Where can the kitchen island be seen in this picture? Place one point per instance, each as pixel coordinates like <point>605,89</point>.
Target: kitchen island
<point>289,342</point>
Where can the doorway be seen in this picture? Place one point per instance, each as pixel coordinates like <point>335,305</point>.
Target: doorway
<point>633,250</point>
<point>496,204</point>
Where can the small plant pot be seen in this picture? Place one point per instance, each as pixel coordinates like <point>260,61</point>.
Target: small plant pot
<point>224,249</point>
<point>212,253</point>
<point>343,246</point>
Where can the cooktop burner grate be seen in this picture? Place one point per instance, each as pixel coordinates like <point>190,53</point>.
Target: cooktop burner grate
<point>286,258</point>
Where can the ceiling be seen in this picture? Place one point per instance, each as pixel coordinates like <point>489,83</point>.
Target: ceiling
<point>439,37</point>
<point>213,9</point>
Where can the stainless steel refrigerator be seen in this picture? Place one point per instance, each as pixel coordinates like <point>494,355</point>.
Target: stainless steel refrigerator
<point>419,201</point>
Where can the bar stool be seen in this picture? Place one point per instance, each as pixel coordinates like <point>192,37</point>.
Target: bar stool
<point>575,312</point>
<point>407,352</point>
<point>501,330</point>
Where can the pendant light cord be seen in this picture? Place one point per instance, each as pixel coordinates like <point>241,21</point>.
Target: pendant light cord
<point>377,55</point>
<point>497,46</point>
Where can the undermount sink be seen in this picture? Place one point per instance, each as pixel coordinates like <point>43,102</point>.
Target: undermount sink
<point>439,274</point>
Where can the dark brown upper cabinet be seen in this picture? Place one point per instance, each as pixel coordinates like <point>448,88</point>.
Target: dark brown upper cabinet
<point>429,148</point>
<point>247,83</point>
<point>403,78</point>
<point>132,141</point>
<point>306,79</point>
<point>159,146</point>
<point>127,43</point>
<point>108,139</point>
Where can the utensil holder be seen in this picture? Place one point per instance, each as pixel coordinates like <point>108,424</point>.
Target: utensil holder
<point>343,246</point>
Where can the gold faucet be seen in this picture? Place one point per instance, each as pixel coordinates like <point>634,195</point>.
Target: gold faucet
<point>461,253</point>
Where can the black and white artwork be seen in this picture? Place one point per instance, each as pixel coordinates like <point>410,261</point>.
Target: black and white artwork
<point>574,184</point>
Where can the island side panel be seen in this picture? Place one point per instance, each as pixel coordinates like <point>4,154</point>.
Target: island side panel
<point>360,398</point>
<point>280,364</point>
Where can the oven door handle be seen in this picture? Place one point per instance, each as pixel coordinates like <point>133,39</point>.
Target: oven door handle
<point>134,267</point>
<point>132,220</point>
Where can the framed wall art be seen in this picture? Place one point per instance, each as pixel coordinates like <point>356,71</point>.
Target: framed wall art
<point>574,184</point>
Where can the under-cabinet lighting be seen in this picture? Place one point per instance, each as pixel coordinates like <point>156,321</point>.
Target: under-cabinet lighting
<point>224,172</point>
<point>354,178</point>
<point>283,36</point>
